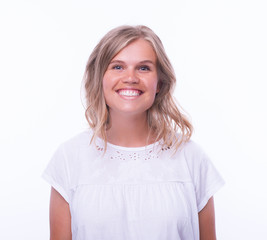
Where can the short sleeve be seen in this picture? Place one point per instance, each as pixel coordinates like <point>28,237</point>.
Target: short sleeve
<point>207,182</point>
<point>57,173</point>
<point>205,177</point>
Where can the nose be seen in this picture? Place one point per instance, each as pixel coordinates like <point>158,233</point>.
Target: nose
<point>131,77</point>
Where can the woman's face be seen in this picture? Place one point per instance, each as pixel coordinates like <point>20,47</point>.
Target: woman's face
<point>130,82</point>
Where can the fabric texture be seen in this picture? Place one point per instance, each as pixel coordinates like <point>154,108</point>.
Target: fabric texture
<point>132,193</point>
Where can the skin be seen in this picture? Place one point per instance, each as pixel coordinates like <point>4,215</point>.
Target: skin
<point>134,68</point>
<point>60,218</point>
<point>207,221</point>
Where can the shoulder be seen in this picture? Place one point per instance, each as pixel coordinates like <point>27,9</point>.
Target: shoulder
<point>192,149</point>
<point>72,146</point>
<point>188,149</point>
<point>194,156</point>
<point>82,139</point>
<point>205,177</point>
<point>74,155</point>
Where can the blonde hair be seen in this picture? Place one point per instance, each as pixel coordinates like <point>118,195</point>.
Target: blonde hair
<point>164,116</point>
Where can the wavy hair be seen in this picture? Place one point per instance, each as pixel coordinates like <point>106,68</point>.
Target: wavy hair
<point>165,118</point>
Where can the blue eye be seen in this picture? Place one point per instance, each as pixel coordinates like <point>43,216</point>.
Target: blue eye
<point>144,68</point>
<point>117,67</point>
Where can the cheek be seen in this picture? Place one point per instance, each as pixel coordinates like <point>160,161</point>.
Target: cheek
<point>105,88</point>
<point>109,81</point>
<point>155,85</point>
<point>106,78</point>
<point>106,83</point>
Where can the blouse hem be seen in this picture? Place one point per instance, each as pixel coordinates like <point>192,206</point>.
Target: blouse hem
<point>56,186</point>
<point>210,194</point>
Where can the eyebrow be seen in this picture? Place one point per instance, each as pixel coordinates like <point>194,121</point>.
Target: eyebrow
<point>116,61</point>
<point>147,61</point>
<point>142,62</point>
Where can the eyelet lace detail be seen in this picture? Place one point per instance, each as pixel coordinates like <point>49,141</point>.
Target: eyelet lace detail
<point>142,155</point>
<point>101,149</point>
<point>145,154</point>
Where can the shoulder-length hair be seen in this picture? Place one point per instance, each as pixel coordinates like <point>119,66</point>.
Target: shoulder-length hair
<point>164,117</point>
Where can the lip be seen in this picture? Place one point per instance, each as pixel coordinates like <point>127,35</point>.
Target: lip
<point>129,89</point>
<point>132,93</point>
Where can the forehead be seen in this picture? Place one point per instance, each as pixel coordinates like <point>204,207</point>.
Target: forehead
<point>138,50</point>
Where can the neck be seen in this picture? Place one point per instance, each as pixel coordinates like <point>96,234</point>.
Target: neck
<point>129,131</point>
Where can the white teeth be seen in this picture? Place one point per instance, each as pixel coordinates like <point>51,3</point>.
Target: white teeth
<point>129,93</point>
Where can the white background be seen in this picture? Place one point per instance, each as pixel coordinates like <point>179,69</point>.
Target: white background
<point>218,50</point>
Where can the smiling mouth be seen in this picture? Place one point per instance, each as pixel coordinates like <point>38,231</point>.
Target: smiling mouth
<point>129,92</point>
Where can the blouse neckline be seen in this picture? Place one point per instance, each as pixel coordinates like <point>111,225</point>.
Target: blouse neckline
<point>135,149</point>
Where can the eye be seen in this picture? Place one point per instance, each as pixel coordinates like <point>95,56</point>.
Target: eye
<point>144,68</point>
<point>117,67</point>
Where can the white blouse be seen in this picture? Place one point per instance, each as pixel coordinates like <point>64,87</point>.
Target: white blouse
<point>148,193</point>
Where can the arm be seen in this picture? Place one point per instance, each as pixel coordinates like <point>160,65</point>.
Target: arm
<point>60,218</point>
<point>207,221</point>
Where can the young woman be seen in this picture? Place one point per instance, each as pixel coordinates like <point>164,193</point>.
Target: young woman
<point>135,174</point>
